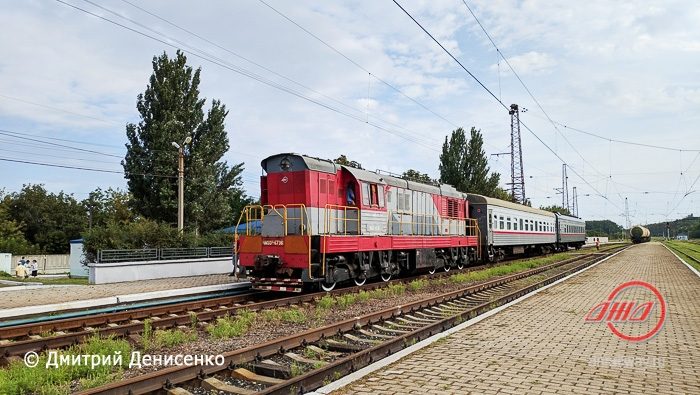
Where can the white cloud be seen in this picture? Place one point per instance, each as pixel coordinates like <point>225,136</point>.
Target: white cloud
<point>528,63</point>
<point>627,70</point>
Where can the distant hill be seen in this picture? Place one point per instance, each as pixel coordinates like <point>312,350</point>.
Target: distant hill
<point>678,227</point>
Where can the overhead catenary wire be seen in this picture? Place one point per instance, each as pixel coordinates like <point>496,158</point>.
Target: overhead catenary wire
<point>11,134</point>
<point>84,168</point>
<point>500,102</point>
<point>334,49</point>
<point>527,89</point>
<point>256,77</point>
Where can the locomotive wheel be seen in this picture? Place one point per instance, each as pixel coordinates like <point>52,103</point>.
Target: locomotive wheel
<point>431,270</point>
<point>386,277</point>
<point>447,267</point>
<point>460,265</point>
<point>327,287</point>
<point>360,282</point>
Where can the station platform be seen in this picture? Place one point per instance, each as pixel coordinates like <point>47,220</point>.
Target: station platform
<point>544,345</point>
<point>22,300</point>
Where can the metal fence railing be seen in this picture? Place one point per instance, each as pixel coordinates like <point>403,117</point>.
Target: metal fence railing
<point>162,254</point>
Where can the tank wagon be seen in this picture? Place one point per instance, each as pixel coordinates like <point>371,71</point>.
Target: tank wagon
<point>639,234</point>
<point>324,223</point>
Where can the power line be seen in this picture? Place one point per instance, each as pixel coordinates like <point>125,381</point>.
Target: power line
<point>500,102</point>
<point>334,49</point>
<point>84,168</point>
<point>153,14</point>
<point>12,134</point>
<point>60,139</point>
<point>247,73</point>
<point>532,96</point>
<point>17,99</point>
<point>614,140</point>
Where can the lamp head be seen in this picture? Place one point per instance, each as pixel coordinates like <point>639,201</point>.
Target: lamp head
<point>176,145</point>
<point>188,140</point>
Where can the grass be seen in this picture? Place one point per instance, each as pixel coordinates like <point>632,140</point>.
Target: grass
<point>344,301</point>
<point>235,326</point>
<point>417,285</point>
<point>296,369</point>
<point>485,274</point>
<point>172,337</point>
<point>686,249</point>
<point>293,315</point>
<point>51,281</point>
<point>17,378</point>
<point>326,302</point>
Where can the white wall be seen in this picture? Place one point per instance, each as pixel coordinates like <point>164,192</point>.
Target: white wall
<point>591,240</point>
<point>105,273</point>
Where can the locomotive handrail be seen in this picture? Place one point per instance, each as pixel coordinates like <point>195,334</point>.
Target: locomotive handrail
<point>328,217</point>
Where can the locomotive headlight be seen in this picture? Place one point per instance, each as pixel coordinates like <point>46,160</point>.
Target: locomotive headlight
<point>285,164</point>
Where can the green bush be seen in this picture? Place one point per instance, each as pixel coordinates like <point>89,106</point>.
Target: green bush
<point>144,233</point>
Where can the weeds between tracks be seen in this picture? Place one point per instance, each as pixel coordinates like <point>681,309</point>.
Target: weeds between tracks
<point>326,310</point>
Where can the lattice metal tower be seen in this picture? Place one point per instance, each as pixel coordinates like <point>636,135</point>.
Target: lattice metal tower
<point>517,176</point>
<point>627,215</point>
<point>565,188</point>
<point>574,202</point>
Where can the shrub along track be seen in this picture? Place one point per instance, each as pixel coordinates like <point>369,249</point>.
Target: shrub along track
<point>307,360</point>
<point>18,340</point>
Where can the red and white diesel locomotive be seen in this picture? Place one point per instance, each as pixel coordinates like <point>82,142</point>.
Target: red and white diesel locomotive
<point>324,223</point>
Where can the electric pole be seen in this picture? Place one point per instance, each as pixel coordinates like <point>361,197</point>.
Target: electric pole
<point>517,175</point>
<point>574,202</point>
<point>181,182</point>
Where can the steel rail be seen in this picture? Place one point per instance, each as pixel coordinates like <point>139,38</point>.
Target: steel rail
<point>130,322</point>
<point>168,377</point>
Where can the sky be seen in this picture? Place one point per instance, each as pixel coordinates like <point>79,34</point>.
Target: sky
<point>360,78</point>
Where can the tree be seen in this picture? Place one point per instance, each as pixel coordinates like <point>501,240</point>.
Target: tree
<point>110,206</point>
<point>603,228</point>
<point>48,220</point>
<point>415,175</point>
<point>556,209</point>
<point>171,110</point>
<point>343,160</point>
<point>464,165</point>
<point>12,238</point>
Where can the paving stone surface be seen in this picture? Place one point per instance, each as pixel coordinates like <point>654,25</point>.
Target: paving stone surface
<point>60,294</point>
<point>543,345</point>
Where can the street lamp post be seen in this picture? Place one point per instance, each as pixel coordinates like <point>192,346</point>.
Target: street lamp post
<point>181,182</point>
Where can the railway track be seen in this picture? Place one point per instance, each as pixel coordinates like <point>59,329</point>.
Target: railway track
<point>307,360</point>
<point>19,339</point>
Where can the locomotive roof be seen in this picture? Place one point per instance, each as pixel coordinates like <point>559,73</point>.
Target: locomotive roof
<point>479,199</point>
<point>295,161</point>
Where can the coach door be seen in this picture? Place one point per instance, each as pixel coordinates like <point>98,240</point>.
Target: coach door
<point>490,226</point>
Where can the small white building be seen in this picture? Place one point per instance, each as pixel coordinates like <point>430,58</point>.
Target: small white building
<point>77,269</point>
<point>682,237</point>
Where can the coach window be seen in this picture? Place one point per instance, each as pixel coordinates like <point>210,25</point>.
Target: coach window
<point>490,221</point>
<point>521,224</point>
<point>508,222</point>
<point>500,223</point>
